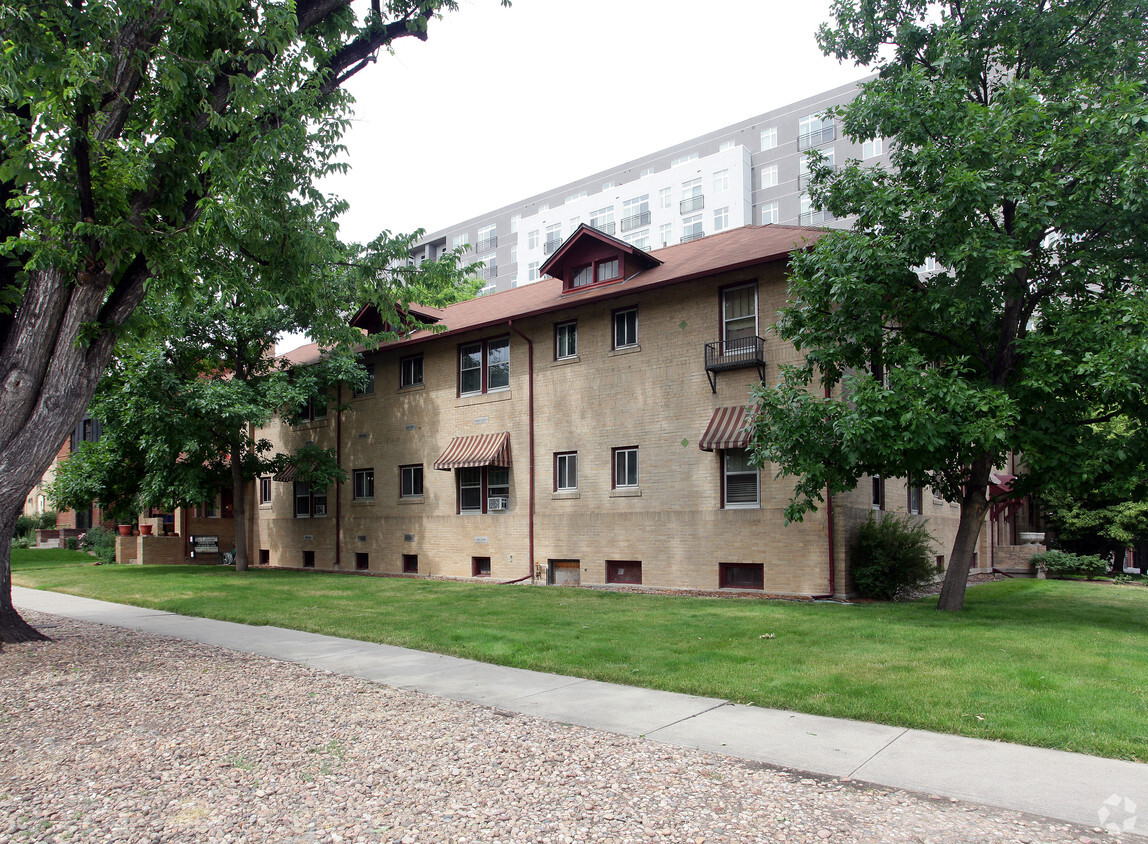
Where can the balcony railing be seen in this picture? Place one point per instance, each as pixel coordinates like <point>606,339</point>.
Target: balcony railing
<point>804,178</point>
<point>814,218</point>
<point>692,203</point>
<point>636,221</point>
<point>742,353</point>
<point>608,228</point>
<point>817,137</point>
<point>686,238</point>
<point>489,243</point>
<point>551,246</point>
<point>490,271</point>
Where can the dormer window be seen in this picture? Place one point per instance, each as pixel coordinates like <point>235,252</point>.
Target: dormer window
<point>590,257</point>
<point>595,273</point>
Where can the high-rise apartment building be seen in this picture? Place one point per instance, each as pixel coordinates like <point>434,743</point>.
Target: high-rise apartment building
<point>750,173</point>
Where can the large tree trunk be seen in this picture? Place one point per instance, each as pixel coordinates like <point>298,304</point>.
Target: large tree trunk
<point>238,506</point>
<point>47,378</point>
<point>12,627</point>
<point>974,505</point>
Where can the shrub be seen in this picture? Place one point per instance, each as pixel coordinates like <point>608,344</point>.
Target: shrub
<point>25,525</point>
<point>1064,564</point>
<point>72,544</point>
<point>46,520</point>
<point>101,542</point>
<point>892,557</point>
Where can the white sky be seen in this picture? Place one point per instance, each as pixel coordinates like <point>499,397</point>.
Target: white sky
<point>499,104</point>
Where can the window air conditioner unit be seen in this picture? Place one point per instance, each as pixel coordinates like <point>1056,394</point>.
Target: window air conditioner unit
<point>497,502</point>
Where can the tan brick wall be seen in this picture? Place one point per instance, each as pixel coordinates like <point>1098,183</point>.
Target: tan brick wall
<point>656,397</point>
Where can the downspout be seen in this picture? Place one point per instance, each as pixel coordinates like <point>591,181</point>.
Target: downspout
<point>530,410</point>
<point>830,537</point>
<point>339,464</point>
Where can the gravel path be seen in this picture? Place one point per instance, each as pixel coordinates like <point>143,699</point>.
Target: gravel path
<point>108,735</point>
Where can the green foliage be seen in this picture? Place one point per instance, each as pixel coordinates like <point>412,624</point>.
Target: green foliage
<point>25,526</point>
<point>72,544</point>
<point>891,557</point>
<point>1018,143</point>
<point>1064,564</point>
<point>46,520</point>
<point>101,542</point>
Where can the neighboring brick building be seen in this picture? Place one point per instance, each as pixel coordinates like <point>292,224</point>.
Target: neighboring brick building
<point>584,429</point>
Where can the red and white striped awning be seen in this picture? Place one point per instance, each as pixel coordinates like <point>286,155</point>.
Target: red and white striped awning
<point>726,430</point>
<point>286,475</point>
<point>477,450</point>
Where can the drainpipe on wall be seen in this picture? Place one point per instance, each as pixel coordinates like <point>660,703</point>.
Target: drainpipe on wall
<point>830,537</point>
<point>530,410</point>
<point>338,463</point>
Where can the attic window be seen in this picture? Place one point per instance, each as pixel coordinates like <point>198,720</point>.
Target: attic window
<point>599,271</point>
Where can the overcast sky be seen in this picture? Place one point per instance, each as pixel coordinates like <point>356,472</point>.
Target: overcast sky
<point>500,104</point>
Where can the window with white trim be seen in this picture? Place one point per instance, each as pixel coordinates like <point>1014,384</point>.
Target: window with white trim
<point>411,371</point>
<point>532,240</point>
<point>309,500</point>
<point>626,328</point>
<point>692,227</point>
<point>363,482</point>
<point>532,271</point>
<point>603,220</point>
<point>665,198</point>
<point>665,232</point>
<point>739,480</point>
<point>625,467</point>
<point>770,214</point>
<point>769,138</point>
<point>566,471</point>
<point>566,340</point>
<point>872,148</point>
<point>769,176</point>
<point>721,219</point>
<point>514,221</point>
<point>487,237</point>
<point>265,490</point>
<point>459,240</point>
<point>721,180</point>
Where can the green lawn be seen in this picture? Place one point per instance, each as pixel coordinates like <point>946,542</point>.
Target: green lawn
<point>1047,663</point>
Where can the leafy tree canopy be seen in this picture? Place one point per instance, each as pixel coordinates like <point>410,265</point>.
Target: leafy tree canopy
<point>989,297</point>
<point>138,137</point>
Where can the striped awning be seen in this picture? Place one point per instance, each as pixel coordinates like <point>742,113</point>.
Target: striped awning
<point>287,475</point>
<point>726,430</point>
<point>477,450</point>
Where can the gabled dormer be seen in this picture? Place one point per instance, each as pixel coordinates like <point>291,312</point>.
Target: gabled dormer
<point>403,320</point>
<point>590,258</point>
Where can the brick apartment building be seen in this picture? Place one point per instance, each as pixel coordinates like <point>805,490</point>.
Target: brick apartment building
<point>584,429</point>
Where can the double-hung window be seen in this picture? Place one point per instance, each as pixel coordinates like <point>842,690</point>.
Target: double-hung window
<point>484,366</point>
<point>482,489</point>
<point>606,269</point>
<point>411,371</point>
<point>915,495</point>
<point>739,318</point>
<point>411,481</point>
<point>368,387</point>
<point>566,340</point>
<point>566,471</point>
<point>626,328</point>
<point>626,467</point>
<point>739,479</point>
<point>470,490</point>
<point>309,500</point>
<point>364,484</point>
<point>265,490</point>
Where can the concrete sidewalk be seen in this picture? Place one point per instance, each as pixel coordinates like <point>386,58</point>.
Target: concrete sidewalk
<point>1067,786</point>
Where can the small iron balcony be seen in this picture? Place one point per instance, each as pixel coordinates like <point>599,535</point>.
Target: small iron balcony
<point>742,353</point>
